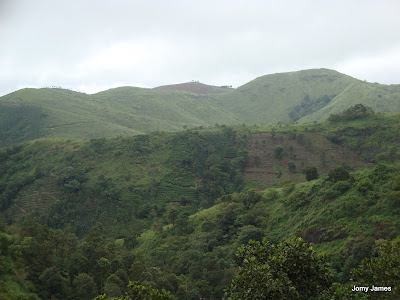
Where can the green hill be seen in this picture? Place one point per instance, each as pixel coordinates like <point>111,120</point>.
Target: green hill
<point>33,113</point>
<point>200,89</point>
<point>303,96</point>
<point>381,98</point>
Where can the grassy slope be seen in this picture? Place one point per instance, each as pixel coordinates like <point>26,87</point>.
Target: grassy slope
<point>121,111</point>
<point>381,98</point>
<point>32,113</point>
<point>269,99</point>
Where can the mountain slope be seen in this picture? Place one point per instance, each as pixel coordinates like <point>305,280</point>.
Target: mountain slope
<point>303,96</point>
<point>381,98</point>
<point>33,113</point>
<point>272,98</point>
<point>176,203</point>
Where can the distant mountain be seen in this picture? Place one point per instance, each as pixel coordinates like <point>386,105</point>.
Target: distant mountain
<point>33,113</point>
<point>197,88</point>
<point>303,96</point>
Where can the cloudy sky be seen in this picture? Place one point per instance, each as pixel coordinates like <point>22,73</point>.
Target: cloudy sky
<point>95,45</point>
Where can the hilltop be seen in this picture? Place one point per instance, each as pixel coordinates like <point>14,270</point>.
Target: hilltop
<point>126,111</point>
<point>303,97</point>
<point>202,90</point>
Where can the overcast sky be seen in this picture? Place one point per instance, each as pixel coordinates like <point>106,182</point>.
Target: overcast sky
<point>96,45</point>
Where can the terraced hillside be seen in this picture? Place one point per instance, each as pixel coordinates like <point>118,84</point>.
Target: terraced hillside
<point>170,209</point>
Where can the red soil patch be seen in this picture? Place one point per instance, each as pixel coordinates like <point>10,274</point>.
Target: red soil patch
<point>304,152</point>
<point>200,89</point>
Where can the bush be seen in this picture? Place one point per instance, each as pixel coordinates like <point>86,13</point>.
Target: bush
<point>299,199</point>
<point>394,198</point>
<point>381,172</point>
<point>291,166</point>
<point>278,152</point>
<point>338,174</point>
<point>288,188</point>
<point>248,233</point>
<point>249,198</point>
<point>365,185</point>
<point>396,183</point>
<point>271,194</point>
<point>311,173</point>
<point>355,112</point>
<point>341,187</point>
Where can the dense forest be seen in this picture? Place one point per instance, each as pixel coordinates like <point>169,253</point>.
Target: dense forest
<point>293,211</point>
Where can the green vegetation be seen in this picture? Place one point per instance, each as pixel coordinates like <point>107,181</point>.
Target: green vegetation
<point>137,291</point>
<point>304,96</point>
<point>288,270</point>
<point>311,173</point>
<point>356,112</point>
<point>134,217</point>
<point>192,254</point>
<point>125,111</point>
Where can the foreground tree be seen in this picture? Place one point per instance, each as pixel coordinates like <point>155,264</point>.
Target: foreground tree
<point>139,291</point>
<point>289,270</point>
<point>85,287</point>
<point>382,271</point>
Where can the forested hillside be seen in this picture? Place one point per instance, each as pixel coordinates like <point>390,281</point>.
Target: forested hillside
<point>83,217</point>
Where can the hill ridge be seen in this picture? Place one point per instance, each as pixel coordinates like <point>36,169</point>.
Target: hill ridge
<point>299,96</point>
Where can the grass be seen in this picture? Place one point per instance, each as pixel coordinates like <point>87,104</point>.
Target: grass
<point>126,111</point>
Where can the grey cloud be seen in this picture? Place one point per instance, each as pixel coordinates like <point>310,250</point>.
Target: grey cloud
<point>217,42</point>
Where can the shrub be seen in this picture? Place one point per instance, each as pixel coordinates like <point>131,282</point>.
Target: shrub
<point>341,187</point>
<point>299,199</point>
<point>396,183</point>
<point>365,185</point>
<point>271,194</point>
<point>288,188</point>
<point>381,172</point>
<point>338,174</point>
<point>311,173</point>
<point>355,112</point>
<point>291,166</point>
<point>278,152</point>
<point>394,198</point>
